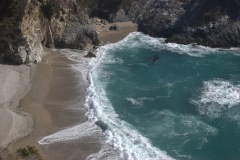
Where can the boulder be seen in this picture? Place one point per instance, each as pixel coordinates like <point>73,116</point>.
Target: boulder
<point>90,55</point>
<point>114,27</point>
<point>102,125</point>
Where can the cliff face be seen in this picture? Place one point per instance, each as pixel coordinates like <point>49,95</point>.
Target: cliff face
<point>214,23</point>
<point>71,25</point>
<point>22,30</point>
<point>25,28</point>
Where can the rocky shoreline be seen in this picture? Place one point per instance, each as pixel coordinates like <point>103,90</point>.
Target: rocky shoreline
<point>28,26</point>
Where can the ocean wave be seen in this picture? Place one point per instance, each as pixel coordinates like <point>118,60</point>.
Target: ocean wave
<point>216,97</point>
<point>86,129</point>
<point>126,138</point>
<point>121,135</point>
<point>140,40</point>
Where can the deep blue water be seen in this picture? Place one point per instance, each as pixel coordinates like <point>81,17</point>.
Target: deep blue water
<point>168,101</point>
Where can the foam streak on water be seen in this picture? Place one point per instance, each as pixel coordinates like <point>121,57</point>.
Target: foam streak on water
<point>217,96</point>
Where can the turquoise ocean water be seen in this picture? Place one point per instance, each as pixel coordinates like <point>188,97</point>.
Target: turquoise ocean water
<point>167,101</point>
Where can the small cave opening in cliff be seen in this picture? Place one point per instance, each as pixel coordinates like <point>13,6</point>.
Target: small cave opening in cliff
<point>106,8</point>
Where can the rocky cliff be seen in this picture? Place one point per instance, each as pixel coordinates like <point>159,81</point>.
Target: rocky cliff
<point>26,27</point>
<point>214,23</point>
<point>22,30</point>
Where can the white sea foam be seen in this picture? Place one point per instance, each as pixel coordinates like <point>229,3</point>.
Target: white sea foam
<point>137,102</point>
<point>85,129</point>
<point>217,96</point>
<point>137,39</point>
<point>192,129</point>
<point>78,56</point>
<point>140,101</point>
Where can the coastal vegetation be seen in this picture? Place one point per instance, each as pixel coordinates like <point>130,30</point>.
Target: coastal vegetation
<point>26,153</point>
<point>29,153</point>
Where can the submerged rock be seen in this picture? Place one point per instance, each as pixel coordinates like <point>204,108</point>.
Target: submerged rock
<point>102,125</point>
<point>155,58</point>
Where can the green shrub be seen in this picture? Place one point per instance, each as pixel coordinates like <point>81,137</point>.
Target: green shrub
<point>29,152</point>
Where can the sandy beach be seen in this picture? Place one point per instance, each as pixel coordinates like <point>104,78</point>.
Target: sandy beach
<point>15,84</point>
<point>112,36</point>
<point>54,104</point>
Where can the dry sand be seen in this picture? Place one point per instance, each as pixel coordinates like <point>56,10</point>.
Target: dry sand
<point>55,102</point>
<point>15,84</point>
<point>111,36</point>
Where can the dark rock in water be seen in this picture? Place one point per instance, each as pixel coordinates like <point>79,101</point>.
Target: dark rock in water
<point>114,27</point>
<point>102,125</point>
<point>90,55</point>
<point>155,58</point>
<point>95,47</point>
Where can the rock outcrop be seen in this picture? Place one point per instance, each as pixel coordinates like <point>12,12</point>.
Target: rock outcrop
<point>22,31</point>
<point>214,23</point>
<point>25,28</point>
<point>71,26</point>
<point>90,55</point>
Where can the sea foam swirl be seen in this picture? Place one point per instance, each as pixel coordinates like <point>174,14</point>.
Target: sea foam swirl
<point>217,96</point>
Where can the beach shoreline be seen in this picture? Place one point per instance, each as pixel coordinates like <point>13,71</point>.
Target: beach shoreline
<point>47,116</point>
